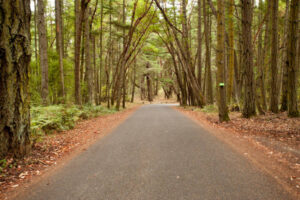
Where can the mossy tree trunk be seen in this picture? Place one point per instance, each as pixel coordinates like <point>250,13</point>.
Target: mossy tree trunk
<point>14,77</point>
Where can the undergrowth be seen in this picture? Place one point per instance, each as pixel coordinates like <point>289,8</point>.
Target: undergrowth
<point>45,120</point>
<point>209,109</point>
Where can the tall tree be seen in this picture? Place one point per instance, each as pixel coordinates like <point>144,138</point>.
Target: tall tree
<point>78,28</point>
<point>80,9</point>
<point>43,48</point>
<point>35,36</point>
<point>265,54</point>
<point>124,46</point>
<point>247,59</point>
<point>14,77</point>
<point>274,57</point>
<point>59,45</point>
<point>208,77</point>
<point>89,70</point>
<point>284,86</point>
<point>220,59</point>
<point>199,38</point>
<point>260,101</point>
<point>231,50</point>
<point>291,63</point>
<point>101,50</point>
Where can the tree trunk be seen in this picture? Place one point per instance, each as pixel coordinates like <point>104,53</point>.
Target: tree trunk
<point>101,49</point>
<point>208,78</point>
<point>223,110</point>
<point>59,47</point>
<point>108,67</point>
<point>124,67</point>
<point>284,92</point>
<point>43,47</point>
<point>274,58</point>
<point>95,71</point>
<point>291,63</point>
<point>80,9</point>
<point>193,83</point>
<point>249,93</point>
<point>133,81</point>
<point>143,87</point>
<point>149,84</point>
<point>231,50</point>
<point>260,60</point>
<point>77,51</point>
<point>199,37</point>
<point>89,69</point>
<point>35,38</point>
<point>266,51</point>
<point>14,77</point>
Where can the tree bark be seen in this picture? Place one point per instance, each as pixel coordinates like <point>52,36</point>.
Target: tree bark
<point>284,92</point>
<point>249,93</point>
<point>77,52</point>
<point>124,46</point>
<point>223,110</point>
<point>59,46</point>
<point>35,38</point>
<point>231,50</point>
<point>149,84</point>
<point>133,82</point>
<point>43,48</point>
<point>101,50</point>
<point>266,52</point>
<point>15,56</point>
<point>207,30</point>
<point>89,69</point>
<point>260,60</point>
<point>199,37</point>
<point>80,8</point>
<point>274,58</point>
<point>291,63</point>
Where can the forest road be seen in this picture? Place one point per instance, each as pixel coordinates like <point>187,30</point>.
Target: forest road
<point>158,154</point>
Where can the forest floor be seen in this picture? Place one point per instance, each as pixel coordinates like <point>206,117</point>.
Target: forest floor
<point>54,149</point>
<point>271,141</point>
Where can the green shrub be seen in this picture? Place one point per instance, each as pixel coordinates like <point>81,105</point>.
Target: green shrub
<point>209,109</point>
<point>3,164</point>
<point>61,117</point>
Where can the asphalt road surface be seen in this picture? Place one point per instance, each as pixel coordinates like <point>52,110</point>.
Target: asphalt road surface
<point>157,154</point>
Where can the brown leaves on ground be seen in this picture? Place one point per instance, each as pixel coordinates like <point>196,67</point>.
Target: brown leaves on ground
<point>55,147</point>
<point>276,126</point>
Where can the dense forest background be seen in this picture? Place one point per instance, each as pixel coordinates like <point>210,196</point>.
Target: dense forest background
<point>238,55</point>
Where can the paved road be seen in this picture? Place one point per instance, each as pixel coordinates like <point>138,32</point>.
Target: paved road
<point>158,154</point>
